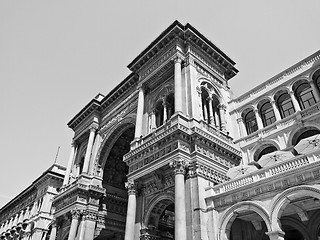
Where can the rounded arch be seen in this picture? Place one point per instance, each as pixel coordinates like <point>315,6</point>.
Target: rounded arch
<point>314,225</point>
<point>230,215</point>
<point>164,197</point>
<point>211,88</point>
<point>296,224</point>
<point>280,201</point>
<point>111,137</point>
<point>261,146</point>
<point>298,131</point>
<point>294,84</point>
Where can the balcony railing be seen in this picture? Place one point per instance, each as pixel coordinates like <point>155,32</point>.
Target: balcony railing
<point>266,173</point>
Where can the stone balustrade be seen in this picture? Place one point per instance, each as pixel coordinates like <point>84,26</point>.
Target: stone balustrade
<point>267,173</point>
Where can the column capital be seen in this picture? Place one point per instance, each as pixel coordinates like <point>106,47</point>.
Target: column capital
<point>239,120</point>
<point>93,127</point>
<point>140,86</point>
<point>73,143</point>
<point>209,98</point>
<point>75,213</point>
<point>222,106</point>
<point>272,102</point>
<point>275,235</point>
<point>291,93</point>
<point>177,59</point>
<point>179,166</point>
<point>131,186</point>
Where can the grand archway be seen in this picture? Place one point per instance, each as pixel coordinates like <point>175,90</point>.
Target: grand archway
<point>115,171</point>
<point>160,220</point>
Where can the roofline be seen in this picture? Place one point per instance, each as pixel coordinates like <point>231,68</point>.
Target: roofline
<point>211,44</point>
<point>176,23</point>
<point>32,185</point>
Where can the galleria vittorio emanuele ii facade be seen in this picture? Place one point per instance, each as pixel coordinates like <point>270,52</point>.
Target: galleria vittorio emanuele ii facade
<point>170,154</point>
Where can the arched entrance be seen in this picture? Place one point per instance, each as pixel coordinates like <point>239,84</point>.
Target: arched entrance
<point>115,171</point>
<point>297,210</point>
<point>245,221</point>
<point>159,221</point>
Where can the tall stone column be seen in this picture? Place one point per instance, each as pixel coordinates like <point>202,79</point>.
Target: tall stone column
<point>131,210</point>
<point>222,109</point>
<point>205,112</point>
<point>165,112</point>
<point>153,121</point>
<point>139,118</point>
<point>216,116</point>
<point>275,110</point>
<point>93,129</point>
<point>180,225</point>
<point>294,101</point>
<point>53,233</point>
<point>177,85</point>
<point>211,118</point>
<point>276,235</point>
<point>70,162</point>
<point>75,214</point>
<point>314,91</point>
<point>258,118</point>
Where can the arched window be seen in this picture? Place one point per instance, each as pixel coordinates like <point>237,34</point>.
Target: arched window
<point>316,78</point>
<point>267,114</point>
<point>205,105</point>
<point>250,122</point>
<point>285,105</point>
<point>267,150</point>
<point>305,95</point>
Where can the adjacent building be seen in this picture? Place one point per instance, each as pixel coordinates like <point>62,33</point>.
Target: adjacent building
<point>149,159</point>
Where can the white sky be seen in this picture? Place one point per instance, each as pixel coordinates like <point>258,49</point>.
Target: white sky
<point>55,56</point>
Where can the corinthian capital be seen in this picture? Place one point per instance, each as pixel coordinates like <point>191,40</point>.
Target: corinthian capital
<point>179,166</point>
<point>131,186</point>
<point>75,213</point>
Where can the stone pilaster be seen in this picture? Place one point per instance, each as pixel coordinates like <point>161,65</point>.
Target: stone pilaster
<point>93,129</point>
<point>275,110</point>
<point>180,227</point>
<point>177,85</point>
<point>139,118</point>
<point>131,210</point>
<point>70,162</point>
<point>294,101</point>
<point>53,233</point>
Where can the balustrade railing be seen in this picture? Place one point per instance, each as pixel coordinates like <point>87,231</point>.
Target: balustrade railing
<point>268,172</point>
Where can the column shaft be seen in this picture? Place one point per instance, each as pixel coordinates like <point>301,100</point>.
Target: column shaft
<point>70,161</point>
<point>211,112</point>
<point>139,119</point>
<point>294,102</point>
<point>276,111</point>
<point>180,224</point>
<point>216,116</point>
<point>73,229</point>
<point>222,109</point>
<point>205,112</point>
<point>241,127</point>
<point>177,85</point>
<point>89,149</point>
<point>53,233</point>
<point>131,211</point>
<point>165,112</point>
<point>258,119</point>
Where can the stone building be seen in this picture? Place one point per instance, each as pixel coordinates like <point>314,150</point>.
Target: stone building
<point>151,159</point>
<point>29,215</point>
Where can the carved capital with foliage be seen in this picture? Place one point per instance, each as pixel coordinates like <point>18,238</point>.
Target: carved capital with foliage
<point>75,213</point>
<point>131,186</point>
<point>179,166</point>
